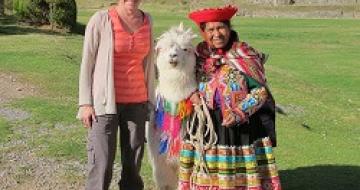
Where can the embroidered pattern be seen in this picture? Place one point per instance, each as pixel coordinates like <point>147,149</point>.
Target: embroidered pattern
<point>253,101</point>
<point>249,60</point>
<point>238,168</point>
<point>223,73</point>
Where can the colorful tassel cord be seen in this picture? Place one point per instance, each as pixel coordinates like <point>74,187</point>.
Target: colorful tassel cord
<point>170,118</point>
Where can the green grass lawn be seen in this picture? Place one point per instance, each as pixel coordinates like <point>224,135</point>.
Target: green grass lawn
<point>313,71</point>
<point>5,131</point>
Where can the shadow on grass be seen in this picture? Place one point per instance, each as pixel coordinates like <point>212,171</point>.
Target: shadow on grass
<point>22,30</point>
<point>5,20</point>
<point>79,29</point>
<point>321,177</point>
<point>9,26</point>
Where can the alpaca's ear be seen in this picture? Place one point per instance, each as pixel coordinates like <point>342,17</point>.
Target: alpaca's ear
<point>181,26</point>
<point>157,50</point>
<point>194,36</point>
<point>157,47</point>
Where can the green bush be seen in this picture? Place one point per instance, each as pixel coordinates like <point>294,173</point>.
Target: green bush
<point>32,11</point>
<point>19,7</point>
<point>63,13</point>
<point>38,11</point>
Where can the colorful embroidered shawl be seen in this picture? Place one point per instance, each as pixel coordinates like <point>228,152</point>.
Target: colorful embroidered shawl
<point>246,59</point>
<point>249,62</point>
<point>223,72</point>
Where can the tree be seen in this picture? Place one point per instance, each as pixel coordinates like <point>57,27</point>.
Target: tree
<point>63,13</point>
<point>2,7</point>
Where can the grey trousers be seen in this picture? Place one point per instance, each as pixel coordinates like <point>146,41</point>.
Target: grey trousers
<point>102,138</point>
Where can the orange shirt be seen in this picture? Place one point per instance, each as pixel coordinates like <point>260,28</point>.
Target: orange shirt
<point>129,53</point>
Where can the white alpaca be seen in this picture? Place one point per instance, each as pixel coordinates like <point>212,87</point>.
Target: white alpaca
<point>176,68</point>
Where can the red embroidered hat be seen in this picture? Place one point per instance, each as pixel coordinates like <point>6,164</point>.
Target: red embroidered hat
<point>213,14</point>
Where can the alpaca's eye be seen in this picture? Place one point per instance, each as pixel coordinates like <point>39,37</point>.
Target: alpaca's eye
<point>185,49</point>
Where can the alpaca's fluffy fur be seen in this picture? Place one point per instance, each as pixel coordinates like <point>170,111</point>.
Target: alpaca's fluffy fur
<point>176,68</point>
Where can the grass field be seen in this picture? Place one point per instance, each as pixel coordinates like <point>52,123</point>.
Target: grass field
<point>313,71</point>
<point>4,131</point>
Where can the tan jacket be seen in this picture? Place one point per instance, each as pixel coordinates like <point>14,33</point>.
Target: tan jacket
<point>96,83</point>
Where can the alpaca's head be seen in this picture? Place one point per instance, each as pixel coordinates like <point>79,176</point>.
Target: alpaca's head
<point>175,50</point>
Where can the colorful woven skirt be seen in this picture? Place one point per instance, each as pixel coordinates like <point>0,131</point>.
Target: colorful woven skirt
<point>229,168</point>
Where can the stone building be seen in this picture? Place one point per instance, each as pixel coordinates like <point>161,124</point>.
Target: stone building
<point>306,2</point>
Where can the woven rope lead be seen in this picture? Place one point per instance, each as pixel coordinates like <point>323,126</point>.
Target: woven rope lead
<point>202,137</point>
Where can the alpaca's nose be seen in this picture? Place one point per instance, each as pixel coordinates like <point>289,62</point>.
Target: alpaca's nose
<point>173,55</point>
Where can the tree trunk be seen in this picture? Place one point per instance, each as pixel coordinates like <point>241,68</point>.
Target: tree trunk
<point>2,7</point>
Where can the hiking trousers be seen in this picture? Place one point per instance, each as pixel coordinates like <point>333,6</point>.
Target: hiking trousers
<point>102,140</point>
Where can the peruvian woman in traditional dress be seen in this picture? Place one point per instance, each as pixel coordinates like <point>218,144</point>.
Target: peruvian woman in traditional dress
<point>233,87</point>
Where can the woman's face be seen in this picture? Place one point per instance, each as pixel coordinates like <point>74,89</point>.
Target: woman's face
<point>130,4</point>
<point>216,34</point>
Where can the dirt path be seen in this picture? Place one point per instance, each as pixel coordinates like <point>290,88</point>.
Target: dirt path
<point>11,88</point>
<point>20,167</point>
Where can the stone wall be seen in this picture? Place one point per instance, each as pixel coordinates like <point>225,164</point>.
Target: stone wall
<point>327,2</point>
<point>300,14</point>
<point>306,2</point>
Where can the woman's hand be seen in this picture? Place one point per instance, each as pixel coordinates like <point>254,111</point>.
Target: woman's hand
<point>234,118</point>
<point>229,120</point>
<point>88,115</point>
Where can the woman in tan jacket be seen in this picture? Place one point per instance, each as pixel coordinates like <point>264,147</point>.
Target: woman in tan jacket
<point>116,91</point>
